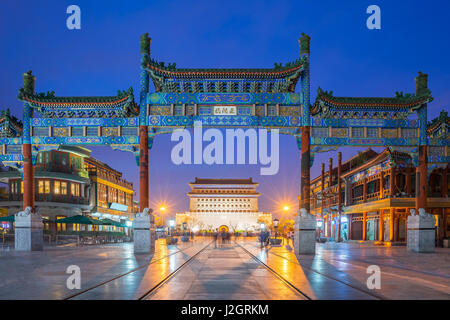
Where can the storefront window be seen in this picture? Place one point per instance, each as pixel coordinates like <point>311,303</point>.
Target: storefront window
<point>75,189</point>
<point>61,226</point>
<point>41,186</point>
<point>57,187</point>
<point>63,188</point>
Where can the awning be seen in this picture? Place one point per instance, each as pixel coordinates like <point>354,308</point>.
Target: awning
<point>7,219</point>
<point>79,220</point>
<point>110,222</point>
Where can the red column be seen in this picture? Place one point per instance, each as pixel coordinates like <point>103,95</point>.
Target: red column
<point>364,229</point>
<point>350,217</point>
<point>350,201</point>
<point>323,199</point>
<point>392,182</point>
<point>330,214</point>
<point>391,225</point>
<point>28,177</point>
<point>339,195</point>
<point>408,181</point>
<point>305,169</point>
<point>444,184</point>
<point>381,184</point>
<point>143,168</point>
<point>381,226</point>
<point>421,179</point>
<point>365,190</point>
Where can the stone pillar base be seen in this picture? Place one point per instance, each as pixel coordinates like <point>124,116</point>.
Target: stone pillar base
<point>421,232</point>
<point>144,233</point>
<point>28,231</point>
<point>305,234</point>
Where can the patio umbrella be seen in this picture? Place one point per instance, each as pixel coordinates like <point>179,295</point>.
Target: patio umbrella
<point>79,220</point>
<point>7,219</point>
<point>110,222</point>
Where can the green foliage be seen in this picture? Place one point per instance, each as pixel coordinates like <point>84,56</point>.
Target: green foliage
<point>400,95</point>
<point>46,95</point>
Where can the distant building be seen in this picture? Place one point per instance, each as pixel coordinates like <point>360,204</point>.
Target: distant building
<point>223,204</point>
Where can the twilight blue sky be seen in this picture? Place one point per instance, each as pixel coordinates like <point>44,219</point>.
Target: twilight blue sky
<point>103,57</point>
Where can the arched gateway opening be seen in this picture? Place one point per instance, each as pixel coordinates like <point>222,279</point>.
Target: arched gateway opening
<point>223,228</point>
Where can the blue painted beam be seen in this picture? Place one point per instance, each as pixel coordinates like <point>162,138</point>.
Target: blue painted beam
<point>202,98</point>
<point>382,123</point>
<point>81,122</point>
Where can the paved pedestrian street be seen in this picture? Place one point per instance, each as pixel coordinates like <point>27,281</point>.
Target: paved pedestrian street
<point>236,270</point>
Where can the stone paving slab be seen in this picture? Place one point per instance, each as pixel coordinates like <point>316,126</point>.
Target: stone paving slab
<point>337,271</point>
<point>42,274</point>
<point>404,275</point>
<point>226,273</point>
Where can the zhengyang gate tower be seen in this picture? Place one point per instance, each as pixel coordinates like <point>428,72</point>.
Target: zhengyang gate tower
<point>273,98</point>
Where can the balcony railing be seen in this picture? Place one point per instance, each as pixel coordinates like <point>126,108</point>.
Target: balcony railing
<point>50,198</point>
<point>110,178</point>
<point>63,169</point>
<point>373,196</point>
<point>357,200</point>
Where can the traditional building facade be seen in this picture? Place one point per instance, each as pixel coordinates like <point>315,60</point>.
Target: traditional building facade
<point>223,205</point>
<point>111,196</point>
<point>377,192</point>
<point>69,182</point>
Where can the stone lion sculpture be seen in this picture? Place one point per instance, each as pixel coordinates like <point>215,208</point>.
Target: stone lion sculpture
<point>144,213</point>
<point>304,213</point>
<point>24,213</point>
<point>423,213</point>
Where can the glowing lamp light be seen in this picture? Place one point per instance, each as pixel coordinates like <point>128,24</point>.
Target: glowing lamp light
<point>286,208</point>
<point>128,223</point>
<point>162,208</point>
<point>172,223</point>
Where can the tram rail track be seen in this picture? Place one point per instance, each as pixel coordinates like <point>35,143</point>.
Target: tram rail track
<point>172,274</point>
<point>275,273</point>
<point>374,295</point>
<point>77,294</point>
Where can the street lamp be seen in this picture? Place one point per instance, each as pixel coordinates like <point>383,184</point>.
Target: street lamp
<point>275,224</point>
<point>286,208</point>
<point>162,209</point>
